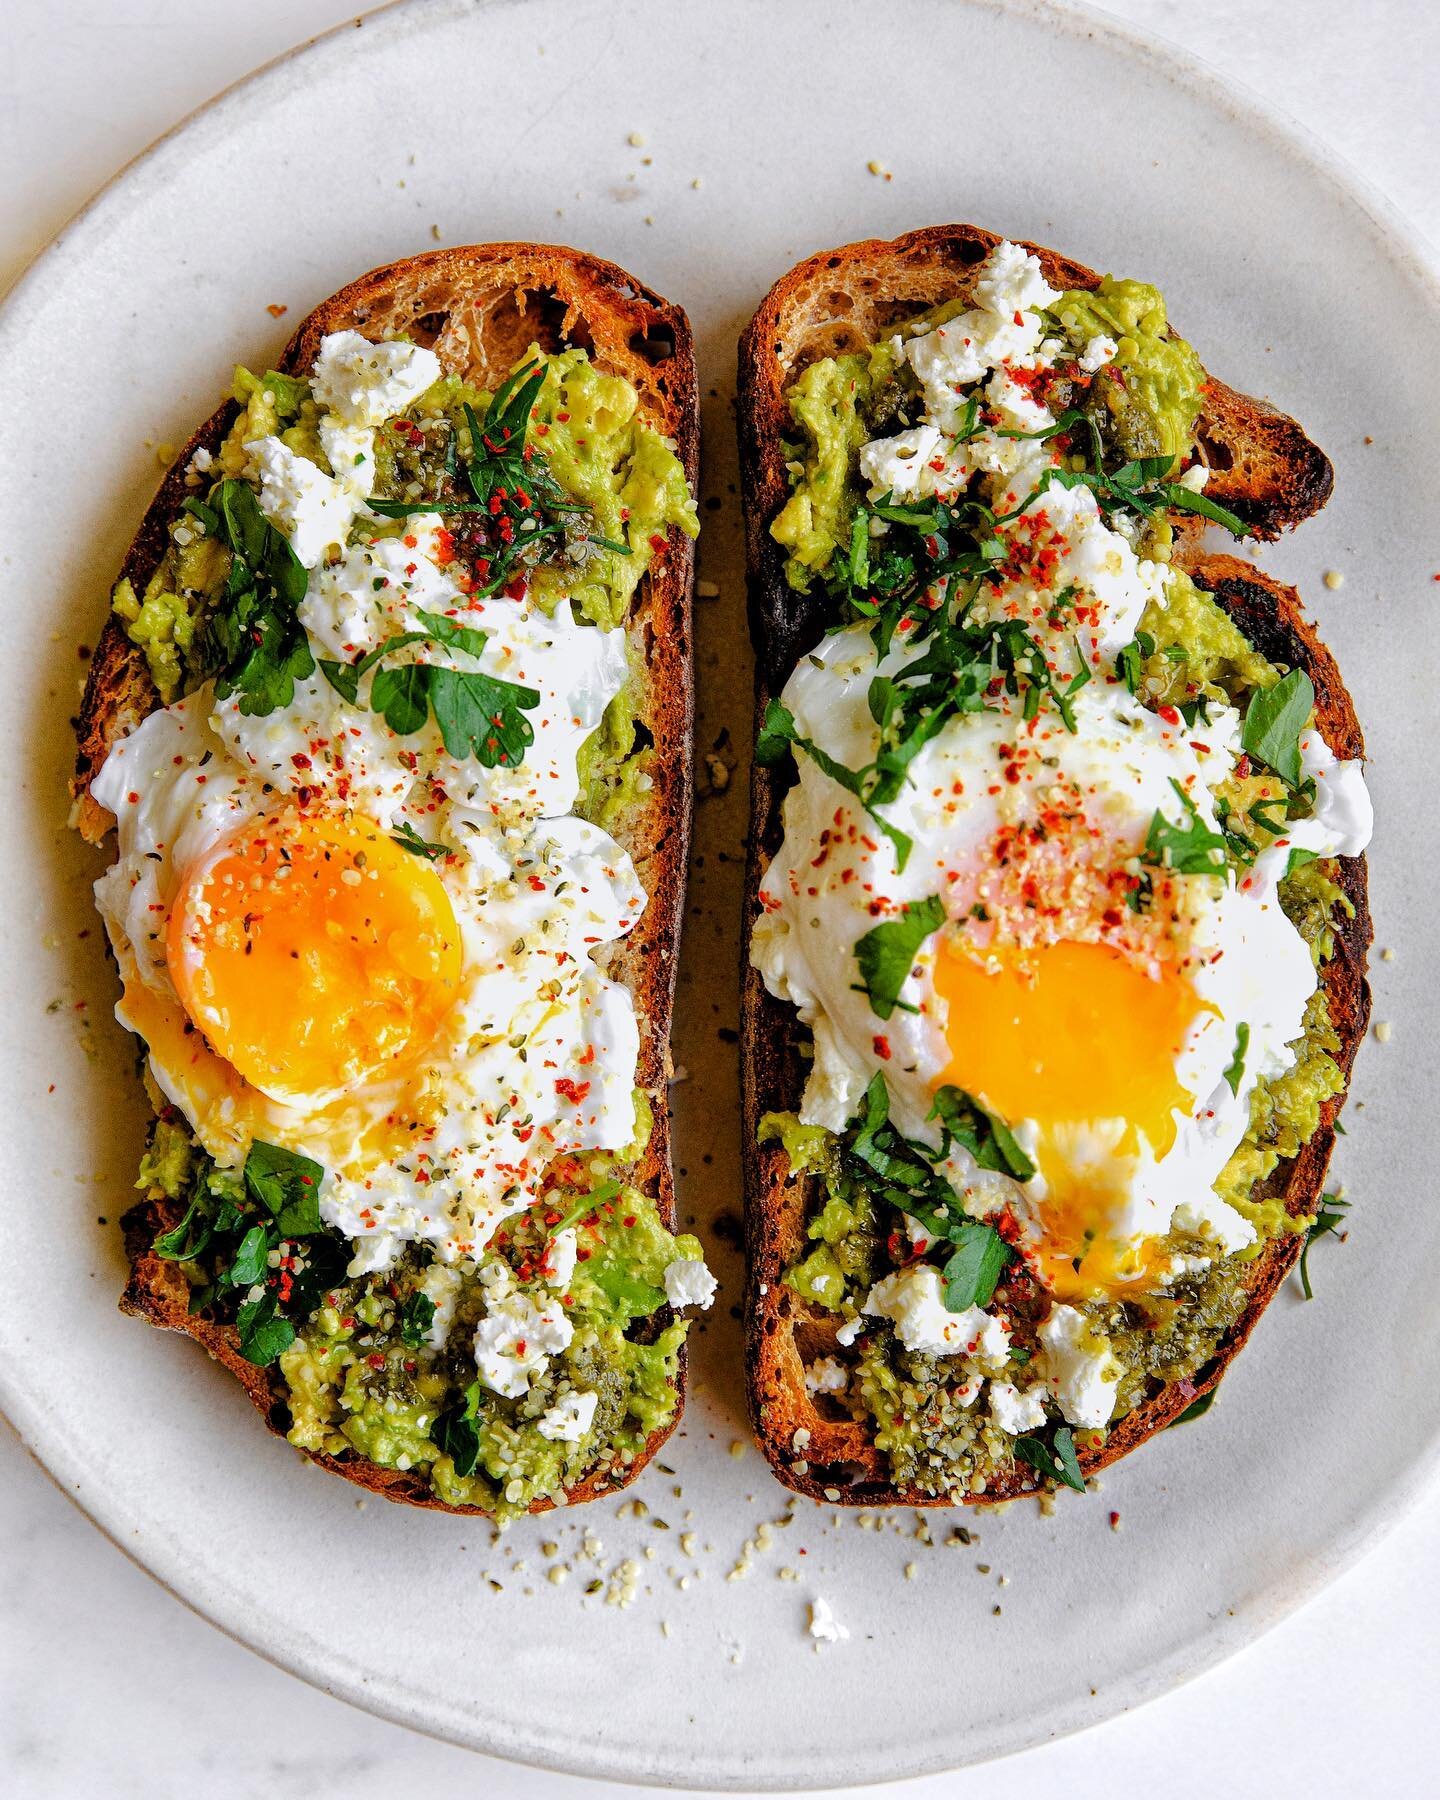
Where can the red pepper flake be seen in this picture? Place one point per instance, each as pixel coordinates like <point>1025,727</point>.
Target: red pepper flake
<point>573,1091</point>
<point>881,1047</point>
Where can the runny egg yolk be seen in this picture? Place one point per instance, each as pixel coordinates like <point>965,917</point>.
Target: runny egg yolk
<point>313,952</point>
<point>1084,1041</point>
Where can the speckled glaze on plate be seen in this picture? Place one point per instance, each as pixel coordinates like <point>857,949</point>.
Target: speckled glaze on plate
<point>476,122</point>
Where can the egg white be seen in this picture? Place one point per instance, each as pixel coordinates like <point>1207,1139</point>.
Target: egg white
<point>444,1152</point>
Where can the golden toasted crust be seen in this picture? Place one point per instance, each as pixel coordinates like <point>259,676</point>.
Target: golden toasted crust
<point>1269,473</point>
<point>479,307</point>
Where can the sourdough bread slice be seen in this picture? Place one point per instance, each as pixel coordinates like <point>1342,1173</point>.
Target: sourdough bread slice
<point>1264,469</point>
<point>479,308</point>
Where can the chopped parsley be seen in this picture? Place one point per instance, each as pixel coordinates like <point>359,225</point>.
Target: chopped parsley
<point>1274,720</point>
<point>1189,848</point>
<point>259,1235</point>
<point>417,1315</point>
<point>1327,1222</point>
<point>254,641</point>
<point>1236,1071</point>
<point>886,955</point>
<point>904,1173</point>
<point>1058,1464</point>
<point>408,838</point>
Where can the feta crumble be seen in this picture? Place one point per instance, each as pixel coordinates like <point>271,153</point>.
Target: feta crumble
<point>825,1628</point>
<point>569,1418</point>
<point>1080,1371</point>
<point>515,1340</point>
<point>913,1299</point>
<point>689,1283</point>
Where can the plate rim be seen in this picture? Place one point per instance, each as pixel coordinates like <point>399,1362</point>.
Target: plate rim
<point>1406,246</point>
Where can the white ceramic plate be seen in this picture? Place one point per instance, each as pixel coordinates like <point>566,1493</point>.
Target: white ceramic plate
<point>758,123</point>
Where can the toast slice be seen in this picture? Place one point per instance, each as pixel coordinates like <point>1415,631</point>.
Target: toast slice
<point>1265,470</point>
<point>479,308</point>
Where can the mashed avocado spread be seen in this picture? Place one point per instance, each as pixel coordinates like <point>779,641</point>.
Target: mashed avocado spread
<point>384,1365</point>
<point>1133,416</point>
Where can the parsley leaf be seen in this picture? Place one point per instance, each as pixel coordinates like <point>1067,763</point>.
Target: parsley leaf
<point>402,697</point>
<point>979,1260</point>
<point>908,1177</point>
<point>1274,720</point>
<point>1236,1070</point>
<point>886,955</point>
<point>1189,848</point>
<point>177,1244</point>
<point>457,1432</point>
<point>287,1185</point>
<point>446,631</point>
<point>478,715</point>
<point>264,1334</point>
<point>983,1133</point>
<point>408,838</point>
<point>254,640</point>
<point>249,1265</point>
<point>1185,499</point>
<point>481,717</point>
<point>1327,1220</point>
<point>909,1180</point>
<point>343,677</point>
<point>1129,661</point>
<point>417,1315</point>
<point>1060,1465</point>
<point>778,735</point>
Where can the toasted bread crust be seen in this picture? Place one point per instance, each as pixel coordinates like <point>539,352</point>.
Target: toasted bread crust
<point>1271,475</point>
<point>479,308</point>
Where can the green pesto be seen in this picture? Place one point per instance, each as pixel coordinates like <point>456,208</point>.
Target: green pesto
<point>930,1440</point>
<point>1147,400</point>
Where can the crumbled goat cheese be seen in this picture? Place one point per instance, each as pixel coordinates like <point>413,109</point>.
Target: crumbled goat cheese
<point>913,1299</point>
<point>689,1283</point>
<point>825,1628</point>
<point>1015,1412</point>
<point>1099,351</point>
<point>314,511</point>
<point>515,1340</point>
<point>569,1418</point>
<point>561,1253</point>
<point>1079,1369</point>
<point>827,1376</point>
<point>366,384</point>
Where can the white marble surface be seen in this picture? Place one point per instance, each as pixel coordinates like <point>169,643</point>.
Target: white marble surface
<point>108,1687</point>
